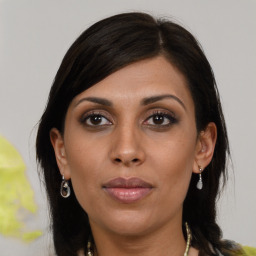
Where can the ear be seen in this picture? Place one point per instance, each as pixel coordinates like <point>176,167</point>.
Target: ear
<point>205,147</point>
<point>60,153</point>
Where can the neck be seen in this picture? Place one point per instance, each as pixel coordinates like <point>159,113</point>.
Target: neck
<point>166,241</point>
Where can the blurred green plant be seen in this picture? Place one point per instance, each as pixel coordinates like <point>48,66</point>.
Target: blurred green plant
<point>16,194</point>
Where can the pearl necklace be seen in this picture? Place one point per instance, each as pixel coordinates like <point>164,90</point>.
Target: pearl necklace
<point>90,253</point>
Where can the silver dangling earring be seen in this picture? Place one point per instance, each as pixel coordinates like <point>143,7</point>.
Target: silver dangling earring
<point>89,249</point>
<point>199,184</point>
<point>64,188</point>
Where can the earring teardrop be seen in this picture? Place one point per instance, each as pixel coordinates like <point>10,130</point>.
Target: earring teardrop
<point>199,184</point>
<point>64,188</point>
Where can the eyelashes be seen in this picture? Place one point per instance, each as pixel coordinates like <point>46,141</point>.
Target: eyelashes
<point>160,119</point>
<point>95,119</point>
<point>157,120</point>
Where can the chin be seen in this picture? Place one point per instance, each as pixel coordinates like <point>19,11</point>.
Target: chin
<point>131,229</point>
<point>130,223</point>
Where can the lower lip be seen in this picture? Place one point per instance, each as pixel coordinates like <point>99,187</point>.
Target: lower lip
<point>128,195</point>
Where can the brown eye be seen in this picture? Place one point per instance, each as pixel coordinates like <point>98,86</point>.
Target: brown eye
<point>96,120</point>
<point>158,119</point>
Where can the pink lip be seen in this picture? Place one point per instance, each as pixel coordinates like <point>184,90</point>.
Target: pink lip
<point>127,190</point>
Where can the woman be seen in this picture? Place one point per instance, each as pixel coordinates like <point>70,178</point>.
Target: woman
<point>133,143</point>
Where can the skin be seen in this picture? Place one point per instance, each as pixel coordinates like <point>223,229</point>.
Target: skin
<point>129,142</point>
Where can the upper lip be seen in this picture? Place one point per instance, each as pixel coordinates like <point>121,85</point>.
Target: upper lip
<point>127,183</point>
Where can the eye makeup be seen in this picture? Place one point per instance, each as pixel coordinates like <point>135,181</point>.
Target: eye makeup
<point>156,119</point>
<point>96,119</point>
<point>160,119</point>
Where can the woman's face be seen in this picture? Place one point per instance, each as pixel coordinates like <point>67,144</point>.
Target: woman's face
<point>130,146</point>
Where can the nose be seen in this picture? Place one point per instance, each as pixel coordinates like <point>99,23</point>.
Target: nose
<point>127,147</point>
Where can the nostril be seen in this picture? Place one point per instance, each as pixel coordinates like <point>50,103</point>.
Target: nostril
<point>118,160</point>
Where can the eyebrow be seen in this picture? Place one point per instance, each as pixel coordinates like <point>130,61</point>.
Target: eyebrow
<point>145,101</point>
<point>156,98</point>
<point>97,100</point>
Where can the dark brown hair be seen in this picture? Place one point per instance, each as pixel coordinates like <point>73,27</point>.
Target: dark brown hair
<point>102,49</point>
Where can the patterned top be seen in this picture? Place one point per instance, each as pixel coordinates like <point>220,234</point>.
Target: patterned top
<point>238,250</point>
<point>250,251</point>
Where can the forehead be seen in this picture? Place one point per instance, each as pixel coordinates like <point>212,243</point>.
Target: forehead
<point>139,80</point>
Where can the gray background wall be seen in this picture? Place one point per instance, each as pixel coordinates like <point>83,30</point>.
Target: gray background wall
<point>34,36</point>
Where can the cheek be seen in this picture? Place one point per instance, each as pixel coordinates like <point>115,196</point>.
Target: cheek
<point>84,160</point>
<point>84,152</point>
<point>176,151</point>
<point>174,178</point>
<point>174,158</point>
<point>85,185</point>
<point>174,170</point>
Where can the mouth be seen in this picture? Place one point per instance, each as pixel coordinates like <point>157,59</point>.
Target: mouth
<point>127,190</point>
